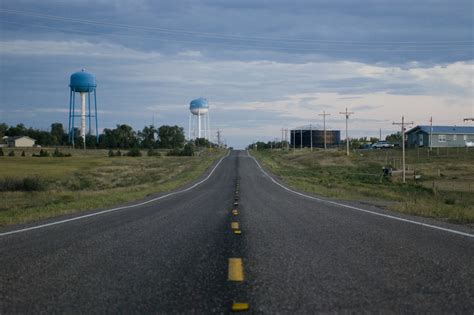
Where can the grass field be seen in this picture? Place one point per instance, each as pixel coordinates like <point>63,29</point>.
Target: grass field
<point>88,180</point>
<point>445,190</point>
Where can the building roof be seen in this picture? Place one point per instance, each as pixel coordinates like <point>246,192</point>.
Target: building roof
<point>444,129</point>
<point>19,137</point>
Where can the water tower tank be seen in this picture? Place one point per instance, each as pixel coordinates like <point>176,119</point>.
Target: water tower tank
<point>199,106</point>
<point>83,82</point>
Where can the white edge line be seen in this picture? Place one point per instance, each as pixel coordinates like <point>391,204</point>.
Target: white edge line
<point>360,209</point>
<point>118,208</point>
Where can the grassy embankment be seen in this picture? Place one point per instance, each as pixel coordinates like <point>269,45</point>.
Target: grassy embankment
<point>88,180</point>
<point>445,191</point>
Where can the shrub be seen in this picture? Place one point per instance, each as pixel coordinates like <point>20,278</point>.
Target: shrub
<point>22,184</point>
<point>174,152</point>
<point>23,153</point>
<point>1,152</point>
<point>111,153</point>
<point>188,150</point>
<point>11,153</point>
<point>134,152</point>
<point>152,152</point>
<point>58,153</point>
<point>119,153</point>
<point>42,153</point>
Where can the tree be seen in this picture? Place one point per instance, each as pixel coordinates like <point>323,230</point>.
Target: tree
<point>147,137</point>
<point>57,133</point>
<point>394,138</point>
<point>171,137</point>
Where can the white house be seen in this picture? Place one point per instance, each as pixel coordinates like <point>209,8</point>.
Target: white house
<point>20,142</point>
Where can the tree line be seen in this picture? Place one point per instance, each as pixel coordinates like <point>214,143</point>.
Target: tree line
<point>121,137</point>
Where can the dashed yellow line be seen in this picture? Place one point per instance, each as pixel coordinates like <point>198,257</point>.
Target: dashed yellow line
<point>235,212</point>
<point>234,225</point>
<point>238,232</point>
<point>240,307</point>
<point>236,269</point>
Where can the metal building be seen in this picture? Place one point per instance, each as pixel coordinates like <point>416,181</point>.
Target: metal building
<point>301,137</point>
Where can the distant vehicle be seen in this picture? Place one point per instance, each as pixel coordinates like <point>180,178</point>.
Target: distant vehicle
<point>469,144</point>
<point>382,145</point>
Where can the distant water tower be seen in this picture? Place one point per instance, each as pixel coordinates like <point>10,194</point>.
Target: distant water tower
<point>197,129</point>
<point>84,83</point>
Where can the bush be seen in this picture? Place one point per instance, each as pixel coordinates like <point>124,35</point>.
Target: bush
<point>1,152</point>
<point>23,153</point>
<point>111,153</point>
<point>22,184</point>
<point>58,153</point>
<point>174,152</point>
<point>134,152</point>
<point>42,153</point>
<point>11,153</point>
<point>152,152</point>
<point>188,150</point>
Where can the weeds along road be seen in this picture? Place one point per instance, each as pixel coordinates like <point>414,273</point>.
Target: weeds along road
<point>180,254</point>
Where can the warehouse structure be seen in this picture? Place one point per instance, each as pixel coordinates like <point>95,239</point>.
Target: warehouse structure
<point>301,137</point>
<point>439,136</point>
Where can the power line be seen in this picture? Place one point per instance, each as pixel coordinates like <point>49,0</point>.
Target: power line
<point>224,36</point>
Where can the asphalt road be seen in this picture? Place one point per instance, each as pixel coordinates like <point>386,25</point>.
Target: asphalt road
<point>299,255</point>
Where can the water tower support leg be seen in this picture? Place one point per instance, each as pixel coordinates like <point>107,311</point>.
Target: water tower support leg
<point>73,134</point>
<point>90,124</point>
<point>83,118</point>
<point>96,119</point>
<point>70,107</point>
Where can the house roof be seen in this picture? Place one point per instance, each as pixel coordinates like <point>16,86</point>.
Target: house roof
<point>444,129</point>
<point>19,137</point>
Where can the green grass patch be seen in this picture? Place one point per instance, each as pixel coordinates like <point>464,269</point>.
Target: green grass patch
<point>38,188</point>
<point>445,191</point>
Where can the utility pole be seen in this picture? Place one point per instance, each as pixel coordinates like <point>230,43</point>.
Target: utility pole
<point>282,138</point>
<point>380,134</point>
<point>347,114</point>
<point>218,138</point>
<point>311,135</point>
<point>287,140</point>
<point>301,138</point>
<point>403,124</point>
<point>431,133</point>
<point>324,123</point>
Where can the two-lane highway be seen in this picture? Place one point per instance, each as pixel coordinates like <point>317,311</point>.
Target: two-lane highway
<point>298,255</point>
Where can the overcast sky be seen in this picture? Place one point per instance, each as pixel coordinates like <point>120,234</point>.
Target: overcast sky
<point>262,65</point>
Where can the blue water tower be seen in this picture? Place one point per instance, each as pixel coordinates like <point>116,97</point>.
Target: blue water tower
<point>84,83</point>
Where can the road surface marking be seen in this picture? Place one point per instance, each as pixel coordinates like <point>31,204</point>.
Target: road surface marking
<point>240,307</point>
<point>238,232</point>
<point>236,204</point>
<point>235,212</point>
<point>118,208</point>
<point>236,269</point>
<point>235,225</point>
<point>360,209</point>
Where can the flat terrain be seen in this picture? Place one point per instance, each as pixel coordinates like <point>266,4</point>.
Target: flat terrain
<point>445,190</point>
<point>299,255</point>
<point>88,180</point>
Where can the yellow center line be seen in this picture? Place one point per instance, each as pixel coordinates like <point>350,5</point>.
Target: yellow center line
<point>234,225</point>
<point>238,232</point>
<point>236,269</point>
<point>235,212</point>
<point>240,307</point>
